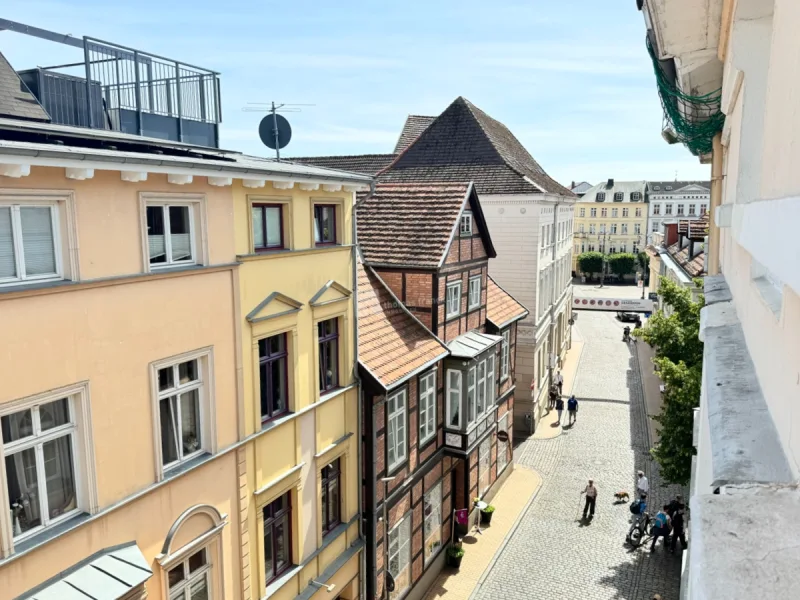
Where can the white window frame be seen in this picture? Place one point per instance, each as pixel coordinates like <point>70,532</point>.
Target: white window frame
<point>624,229</point>
<point>679,210</point>
<point>474,292</point>
<point>480,379</point>
<point>432,521</point>
<point>491,380</point>
<point>198,228</point>
<point>83,459</point>
<point>656,209</point>
<point>636,196</point>
<point>614,212</point>
<point>206,398</point>
<point>591,228</point>
<point>454,392</point>
<point>619,196</point>
<point>638,211</point>
<point>692,210</point>
<point>455,285</point>
<point>183,589</point>
<point>471,395</point>
<point>396,419</point>
<point>465,228</point>
<point>583,212</point>
<point>604,212</point>
<point>614,228</point>
<point>427,407</point>
<point>624,212</point>
<point>505,355</point>
<point>637,228</point>
<point>668,209</point>
<point>400,548</point>
<point>593,212</point>
<point>17,242</point>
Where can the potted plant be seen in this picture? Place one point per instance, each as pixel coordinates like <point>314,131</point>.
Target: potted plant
<point>455,552</point>
<point>486,514</point>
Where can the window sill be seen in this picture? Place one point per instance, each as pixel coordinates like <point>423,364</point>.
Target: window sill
<point>46,535</point>
<point>290,251</point>
<point>282,580</point>
<point>332,393</point>
<point>35,284</point>
<point>187,465</point>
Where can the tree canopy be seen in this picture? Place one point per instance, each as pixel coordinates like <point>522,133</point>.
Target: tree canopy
<point>590,262</point>
<point>622,263</point>
<point>679,357</point>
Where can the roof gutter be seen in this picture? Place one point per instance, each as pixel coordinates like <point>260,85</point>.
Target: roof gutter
<point>54,158</point>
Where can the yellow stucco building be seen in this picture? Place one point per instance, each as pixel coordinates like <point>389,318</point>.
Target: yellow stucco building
<point>299,477</point>
<point>610,217</point>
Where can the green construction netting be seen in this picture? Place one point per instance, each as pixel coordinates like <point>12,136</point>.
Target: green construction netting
<point>695,120</point>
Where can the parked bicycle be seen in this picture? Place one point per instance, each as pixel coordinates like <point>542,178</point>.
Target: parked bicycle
<point>642,528</point>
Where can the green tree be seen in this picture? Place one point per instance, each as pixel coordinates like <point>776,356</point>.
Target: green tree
<point>622,263</point>
<point>590,262</point>
<point>644,263</point>
<point>679,357</point>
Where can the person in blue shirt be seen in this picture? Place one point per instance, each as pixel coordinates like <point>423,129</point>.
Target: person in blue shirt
<point>572,409</point>
<point>661,527</point>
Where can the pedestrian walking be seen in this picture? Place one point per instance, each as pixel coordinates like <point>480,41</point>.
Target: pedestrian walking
<point>560,383</point>
<point>642,485</point>
<point>676,513</point>
<point>559,408</point>
<point>591,498</point>
<point>553,397</point>
<point>572,409</point>
<point>661,527</point>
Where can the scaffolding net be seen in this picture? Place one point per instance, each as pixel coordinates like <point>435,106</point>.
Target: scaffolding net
<point>694,120</point>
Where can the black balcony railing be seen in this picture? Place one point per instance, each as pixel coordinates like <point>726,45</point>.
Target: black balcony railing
<point>127,90</point>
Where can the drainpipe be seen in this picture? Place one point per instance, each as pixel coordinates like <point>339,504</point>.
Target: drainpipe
<point>716,200</point>
<point>551,335</point>
<point>359,395</point>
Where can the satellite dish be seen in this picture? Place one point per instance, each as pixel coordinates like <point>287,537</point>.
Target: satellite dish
<point>267,131</point>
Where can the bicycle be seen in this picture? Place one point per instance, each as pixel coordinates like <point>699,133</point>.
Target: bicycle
<point>641,528</point>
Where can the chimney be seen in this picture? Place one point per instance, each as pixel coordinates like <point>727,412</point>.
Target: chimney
<point>610,183</point>
<point>572,185</point>
<point>670,234</point>
<point>691,249</point>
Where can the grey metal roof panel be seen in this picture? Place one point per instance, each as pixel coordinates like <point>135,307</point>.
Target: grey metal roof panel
<point>107,575</point>
<point>626,187</point>
<point>472,343</point>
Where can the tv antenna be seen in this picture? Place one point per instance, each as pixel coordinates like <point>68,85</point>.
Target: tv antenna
<point>274,130</point>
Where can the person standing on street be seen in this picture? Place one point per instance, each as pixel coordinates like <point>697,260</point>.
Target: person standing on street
<point>553,396</point>
<point>591,498</point>
<point>642,485</point>
<point>559,408</point>
<point>560,383</point>
<point>678,531</point>
<point>661,527</point>
<point>572,409</point>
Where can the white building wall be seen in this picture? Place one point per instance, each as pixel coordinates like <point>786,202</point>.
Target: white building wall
<point>526,231</point>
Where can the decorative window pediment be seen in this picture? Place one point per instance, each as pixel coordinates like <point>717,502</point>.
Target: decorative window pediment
<point>274,305</point>
<point>330,293</point>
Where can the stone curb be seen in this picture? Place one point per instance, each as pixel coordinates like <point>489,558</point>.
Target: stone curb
<point>508,536</point>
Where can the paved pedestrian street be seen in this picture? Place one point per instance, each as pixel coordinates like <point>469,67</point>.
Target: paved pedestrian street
<point>552,554</point>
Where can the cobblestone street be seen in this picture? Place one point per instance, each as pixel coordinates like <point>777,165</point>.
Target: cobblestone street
<point>552,554</point>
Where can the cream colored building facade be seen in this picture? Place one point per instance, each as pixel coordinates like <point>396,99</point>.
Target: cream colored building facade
<point>131,442</point>
<point>748,459</point>
<point>610,217</point>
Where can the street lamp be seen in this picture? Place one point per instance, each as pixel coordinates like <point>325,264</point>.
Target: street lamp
<point>601,238</point>
<point>388,581</point>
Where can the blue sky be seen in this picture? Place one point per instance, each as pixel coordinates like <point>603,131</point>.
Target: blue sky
<point>570,78</point>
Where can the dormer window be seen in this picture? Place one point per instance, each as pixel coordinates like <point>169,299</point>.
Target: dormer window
<point>656,187</point>
<point>635,196</point>
<point>466,223</point>
<point>668,188</point>
<point>618,196</point>
<point>601,197</point>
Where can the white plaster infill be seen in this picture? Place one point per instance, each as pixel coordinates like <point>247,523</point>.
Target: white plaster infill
<point>745,543</point>
<point>745,447</point>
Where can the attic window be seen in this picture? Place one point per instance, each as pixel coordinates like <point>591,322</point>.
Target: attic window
<point>466,223</point>
<point>656,187</point>
<point>618,196</point>
<point>601,197</point>
<point>669,187</point>
<point>635,196</point>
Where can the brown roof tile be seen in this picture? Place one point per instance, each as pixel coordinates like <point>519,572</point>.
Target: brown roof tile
<point>15,99</point>
<point>368,164</point>
<point>392,344</point>
<point>501,307</point>
<point>694,267</point>
<point>409,224</point>
<point>415,125</point>
<point>467,141</point>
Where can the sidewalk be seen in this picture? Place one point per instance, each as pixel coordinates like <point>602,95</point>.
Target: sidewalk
<point>547,427</point>
<point>651,386</point>
<point>510,503</point>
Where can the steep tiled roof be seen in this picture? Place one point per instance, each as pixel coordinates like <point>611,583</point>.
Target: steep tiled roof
<point>15,99</point>
<point>464,142</point>
<point>409,224</point>
<point>369,164</point>
<point>392,344</point>
<point>694,267</point>
<point>501,307</point>
<point>415,124</point>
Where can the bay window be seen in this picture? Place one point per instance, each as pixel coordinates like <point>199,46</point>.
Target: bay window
<point>396,429</point>
<point>471,401</point>
<point>491,380</point>
<point>29,243</point>
<point>505,355</point>
<point>454,398</point>
<point>427,407</point>
<point>481,403</point>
